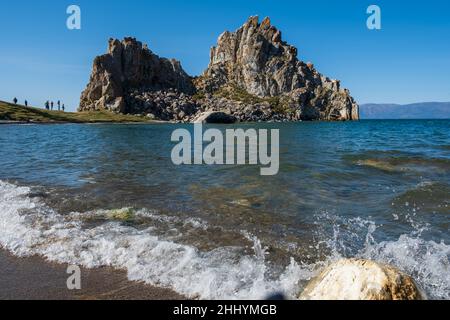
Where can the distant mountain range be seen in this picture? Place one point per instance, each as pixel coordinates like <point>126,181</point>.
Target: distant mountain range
<point>425,110</point>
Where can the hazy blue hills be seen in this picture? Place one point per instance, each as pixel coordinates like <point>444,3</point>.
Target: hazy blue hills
<point>425,110</point>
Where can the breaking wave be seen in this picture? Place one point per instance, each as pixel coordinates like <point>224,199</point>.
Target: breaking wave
<point>30,227</point>
<point>426,261</point>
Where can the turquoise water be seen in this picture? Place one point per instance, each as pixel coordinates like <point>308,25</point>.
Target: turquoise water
<point>109,195</point>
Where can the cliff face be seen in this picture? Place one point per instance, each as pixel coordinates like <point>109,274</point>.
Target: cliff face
<point>129,66</point>
<point>257,60</point>
<point>253,75</point>
<point>424,110</point>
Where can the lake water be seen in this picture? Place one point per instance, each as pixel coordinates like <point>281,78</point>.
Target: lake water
<point>98,195</point>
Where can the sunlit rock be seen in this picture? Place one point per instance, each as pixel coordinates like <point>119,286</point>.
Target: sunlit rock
<point>355,279</point>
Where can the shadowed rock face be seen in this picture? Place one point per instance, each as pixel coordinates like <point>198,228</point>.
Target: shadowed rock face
<point>253,75</point>
<point>128,66</point>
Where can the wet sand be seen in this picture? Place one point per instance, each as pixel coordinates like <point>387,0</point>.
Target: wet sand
<point>36,279</point>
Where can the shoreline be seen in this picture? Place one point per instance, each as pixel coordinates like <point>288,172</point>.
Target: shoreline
<point>18,114</point>
<point>34,278</point>
<point>66,122</point>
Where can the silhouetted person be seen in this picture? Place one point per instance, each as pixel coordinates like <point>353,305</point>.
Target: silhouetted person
<point>15,100</point>
<point>51,105</point>
<point>26,103</point>
<point>47,105</point>
<point>63,107</point>
<point>59,105</point>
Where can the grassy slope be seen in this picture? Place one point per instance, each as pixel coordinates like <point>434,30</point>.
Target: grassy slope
<point>11,112</point>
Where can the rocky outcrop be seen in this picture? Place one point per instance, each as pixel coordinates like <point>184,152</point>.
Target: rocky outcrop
<point>166,105</point>
<point>256,60</point>
<point>354,279</point>
<point>129,66</point>
<point>253,75</point>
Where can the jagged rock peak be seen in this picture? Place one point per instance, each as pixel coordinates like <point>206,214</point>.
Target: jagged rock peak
<point>252,27</point>
<point>129,65</point>
<point>256,60</point>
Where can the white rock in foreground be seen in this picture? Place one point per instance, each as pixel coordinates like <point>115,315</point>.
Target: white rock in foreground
<point>215,117</point>
<point>355,279</point>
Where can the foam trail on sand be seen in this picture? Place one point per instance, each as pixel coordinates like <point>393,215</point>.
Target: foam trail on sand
<point>30,227</point>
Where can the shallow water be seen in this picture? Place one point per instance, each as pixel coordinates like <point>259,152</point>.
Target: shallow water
<point>109,195</point>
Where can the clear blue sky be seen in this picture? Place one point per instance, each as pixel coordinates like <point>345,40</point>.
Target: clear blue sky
<point>407,61</point>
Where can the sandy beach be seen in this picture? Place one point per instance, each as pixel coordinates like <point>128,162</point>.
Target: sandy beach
<point>36,279</point>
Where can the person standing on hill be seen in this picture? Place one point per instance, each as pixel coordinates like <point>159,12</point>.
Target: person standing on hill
<point>63,107</point>
<point>51,105</point>
<point>26,103</point>
<point>59,105</point>
<point>47,105</point>
<point>15,100</point>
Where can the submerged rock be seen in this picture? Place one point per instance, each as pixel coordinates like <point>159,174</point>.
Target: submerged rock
<point>125,214</point>
<point>355,279</point>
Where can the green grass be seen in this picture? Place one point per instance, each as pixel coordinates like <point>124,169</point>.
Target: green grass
<point>279,104</point>
<point>11,112</point>
<point>233,92</point>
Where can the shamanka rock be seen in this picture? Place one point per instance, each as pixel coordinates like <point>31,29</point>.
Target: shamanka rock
<point>255,62</point>
<point>253,75</point>
<point>354,279</point>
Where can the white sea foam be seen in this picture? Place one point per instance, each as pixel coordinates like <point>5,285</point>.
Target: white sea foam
<point>29,227</point>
